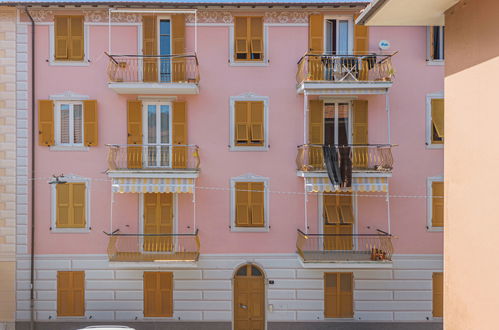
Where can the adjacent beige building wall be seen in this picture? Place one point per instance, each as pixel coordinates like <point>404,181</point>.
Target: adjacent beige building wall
<point>7,166</point>
<point>471,242</point>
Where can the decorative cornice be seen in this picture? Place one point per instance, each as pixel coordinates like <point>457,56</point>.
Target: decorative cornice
<point>68,96</point>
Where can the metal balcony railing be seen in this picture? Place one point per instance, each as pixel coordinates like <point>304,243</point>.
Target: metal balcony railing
<point>153,247</point>
<point>153,156</point>
<point>344,247</point>
<point>362,157</point>
<point>351,67</point>
<point>153,69</point>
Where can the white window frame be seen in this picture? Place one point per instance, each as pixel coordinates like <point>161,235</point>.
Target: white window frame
<point>429,124</point>
<point>249,178</point>
<point>348,18</point>
<point>145,128</point>
<point>232,118</point>
<point>86,48</point>
<point>429,59</point>
<point>264,62</point>
<point>53,193</point>
<point>429,203</point>
<point>57,124</point>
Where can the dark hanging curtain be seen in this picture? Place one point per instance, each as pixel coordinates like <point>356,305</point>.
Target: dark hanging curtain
<point>338,165</point>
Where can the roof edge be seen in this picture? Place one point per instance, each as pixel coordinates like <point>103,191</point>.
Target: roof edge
<point>370,11</point>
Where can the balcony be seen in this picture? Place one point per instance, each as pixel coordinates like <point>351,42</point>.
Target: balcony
<point>153,247</point>
<point>161,74</point>
<point>344,248</point>
<point>352,74</point>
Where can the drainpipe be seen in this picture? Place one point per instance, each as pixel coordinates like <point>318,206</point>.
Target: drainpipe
<point>32,267</point>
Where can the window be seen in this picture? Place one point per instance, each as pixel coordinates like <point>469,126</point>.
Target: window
<point>248,39</point>
<point>436,43</point>
<point>69,38</point>
<point>70,293</point>
<point>158,294</point>
<point>435,121</point>
<point>70,201</point>
<point>338,295</point>
<point>248,117</point>
<point>438,294</point>
<point>435,204</point>
<point>70,124</point>
<point>249,205</point>
<point>337,36</point>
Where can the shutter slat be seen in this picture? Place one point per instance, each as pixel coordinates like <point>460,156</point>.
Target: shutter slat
<point>90,124</point>
<point>179,135</point>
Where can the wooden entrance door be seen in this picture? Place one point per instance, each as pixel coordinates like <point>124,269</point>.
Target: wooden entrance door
<point>158,219</point>
<point>249,298</point>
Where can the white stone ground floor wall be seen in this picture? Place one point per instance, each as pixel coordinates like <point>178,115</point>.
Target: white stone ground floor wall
<point>204,292</point>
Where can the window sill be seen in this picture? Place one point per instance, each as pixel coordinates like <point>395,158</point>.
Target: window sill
<point>69,148</point>
<point>435,229</point>
<point>83,317</point>
<point>249,229</point>
<point>248,148</point>
<point>248,63</point>
<point>70,230</point>
<point>435,62</point>
<point>69,63</point>
<point>434,146</point>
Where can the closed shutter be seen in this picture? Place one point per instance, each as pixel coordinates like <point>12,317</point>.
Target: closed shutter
<point>437,119</point>
<point>243,199</point>
<point>331,210</point>
<point>360,134</point>
<point>61,28</point>
<point>257,198</point>
<point>338,220</point>
<point>316,134</point>
<point>248,39</point>
<point>346,295</point>
<point>256,38</point>
<point>134,135</point>
<point>45,122</point>
<point>330,295</point>
<point>241,34</point>
<point>90,124</point>
<point>63,205</point>
<point>437,212</point>
<point>70,205</point>
<point>242,127</point>
<point>256,122</point>
<point>438,294</point>
<point>149,48</point>
<point>158,219</point>
<point>158,294</point>
<point>70,293</point>
<point>178,48</point>
<point>338,295</point>
<point>346,207</point>
<point>76,50</point>
<point>179,135</point>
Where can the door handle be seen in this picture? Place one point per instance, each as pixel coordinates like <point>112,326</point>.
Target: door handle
<point>243,306</point>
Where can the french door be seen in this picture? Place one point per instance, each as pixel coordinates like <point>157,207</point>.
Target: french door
<point>165,50</point>
<point>157,135</point>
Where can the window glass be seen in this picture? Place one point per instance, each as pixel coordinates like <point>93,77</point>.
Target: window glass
<point>242,271</point>
<point>78,123</point>
<point>255,271</point>
<point>343,37</point>
<point>65,124</point>
<point>165,49</point>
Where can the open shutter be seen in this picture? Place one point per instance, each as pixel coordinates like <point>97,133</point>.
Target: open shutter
<point>178,48</point>
<point>241,33</point>
<point>316,33</point>
<point>331,210</point>
<point>257,204</point>
<point>438,294</point>
<point>437,216</point>
<point>179,135</point>
<point>256,123</point>
<point>45,122</point>
<point>242,129</point>
<point>361,47</point>
<point>242,194</point>
<point>77,198</point>
<point>316,134</point>
<point>360,134</point>
<point>346,295</point>
<point>61,27</point>
<point>76,43</point>
<point>134,128</point>
<point>63,204</point>
<point>437,117</point>
<point>256,38</point>
<point>330,295</point>
<point>150,48</point>
<point>90,124</point>
<point>346,208</point>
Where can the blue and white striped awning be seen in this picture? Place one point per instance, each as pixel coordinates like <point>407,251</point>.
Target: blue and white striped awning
<point>153,185</point>
<point>372,184</point>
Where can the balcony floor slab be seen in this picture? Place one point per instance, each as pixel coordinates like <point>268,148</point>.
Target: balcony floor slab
<point>155,88</point>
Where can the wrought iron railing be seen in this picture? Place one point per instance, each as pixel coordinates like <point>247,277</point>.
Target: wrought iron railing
<point>152,156</point>
<point>153,68</point>
<point>351,67</point>
<point>344,247</point>
<point>153,247</point>
<point>362,157</point>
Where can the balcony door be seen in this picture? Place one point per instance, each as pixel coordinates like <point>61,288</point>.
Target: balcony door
<point>158,219</point>
<point>336,40</point>
<point>165,50</point>
<point>337,123</point>
<point>338,221</point>
<point>157,121</point>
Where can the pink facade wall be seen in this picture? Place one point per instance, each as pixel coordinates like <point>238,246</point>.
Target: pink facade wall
<point>208,127</point>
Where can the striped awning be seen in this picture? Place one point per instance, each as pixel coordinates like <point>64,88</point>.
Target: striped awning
<point>373,184</point>
<point>153,185</point>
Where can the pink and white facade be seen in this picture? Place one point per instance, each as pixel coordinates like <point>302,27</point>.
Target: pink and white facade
<point>396,290</point>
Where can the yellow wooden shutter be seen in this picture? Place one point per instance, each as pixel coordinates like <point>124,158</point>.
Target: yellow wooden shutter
<point>256,38</point>
<point>257,204</point>
<point>90,125</point>
<point>45,122</point>
<point>61,28</point>
<point>437,117</point>
<point>338,295</point>
<point>70,293</point>
<point>243,218</point>
<point>242,128</point>
<point>166,293</point>
<point>150,289</point>
<point>345,294</point>
<point>360,134</point>
<point>331,210</point>
<point>158,219</point>
<point>77,198</point>
<point>345,207</point>
<point>134,136</point>
<point>76,44</point>
<point>256,123</point>
<point>361,39</point>
<point>437,212</point>
<point>178,48</point>
<point>344,242</point>
<point>316,122</point>
<point>179,135</point>
<point>241,33</point>
<point>330,295</point>
<point>438,294</point>
<point>63,206</point>
<point>316,33</point>
<point>150,48</point>
<point>158,294</point>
